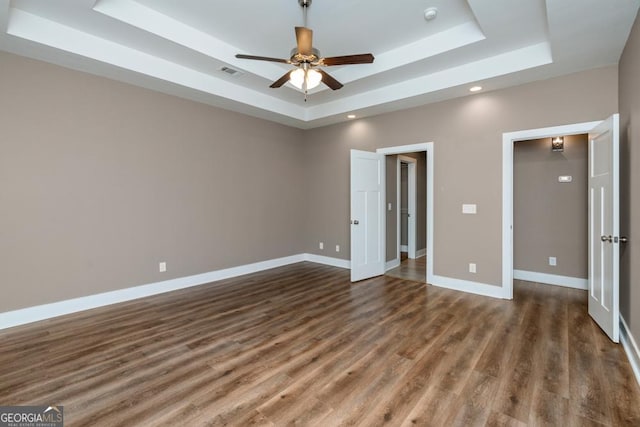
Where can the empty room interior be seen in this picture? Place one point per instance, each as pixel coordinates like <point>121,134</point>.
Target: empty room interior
<point>326,213</point>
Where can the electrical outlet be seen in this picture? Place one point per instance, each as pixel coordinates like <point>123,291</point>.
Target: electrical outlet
<point>553,261</point>
<point>162,267</point>
<point>472,267</point>
<point>321,245</point>
<point>337,248</point>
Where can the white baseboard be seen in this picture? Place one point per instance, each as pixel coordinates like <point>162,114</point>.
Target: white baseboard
<point>47,311</point>
<point>321,259</point>
<point>392,264</point>
<point>404,248</point>
<point>631,348</point>
<point>551,279</point>
<point>469,286</point>
<point>421,253</point>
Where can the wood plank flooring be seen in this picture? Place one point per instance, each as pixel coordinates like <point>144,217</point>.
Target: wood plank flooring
<point>410,269</point>
<point>301,345</point>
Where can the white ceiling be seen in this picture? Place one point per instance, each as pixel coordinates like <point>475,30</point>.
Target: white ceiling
<point>178,47</point>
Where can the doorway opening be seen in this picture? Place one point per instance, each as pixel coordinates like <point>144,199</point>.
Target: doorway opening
<point>550,211</point>
<point>406,203</point>
<point>409,211</point>
<point>508,142</point>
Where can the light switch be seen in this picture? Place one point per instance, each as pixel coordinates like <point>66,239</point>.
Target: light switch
<point>389,207</point>
<point>469,209</point>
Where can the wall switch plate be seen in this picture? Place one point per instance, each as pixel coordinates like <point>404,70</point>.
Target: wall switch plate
<point>553,261</point>
<point>337,248</point>
<point>162,267</point>
<point>565,178</point>
<point>389,207</point>
<point>321,245</point>
<point>472,267</point>
<point>469,209</point>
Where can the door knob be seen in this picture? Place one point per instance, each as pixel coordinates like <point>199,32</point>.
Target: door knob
<point>355,222</point>
<point>606,238</point>
<point>623,239</point>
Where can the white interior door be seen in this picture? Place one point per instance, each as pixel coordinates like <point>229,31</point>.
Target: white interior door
<point>367,215</point>
<point>604,226</point>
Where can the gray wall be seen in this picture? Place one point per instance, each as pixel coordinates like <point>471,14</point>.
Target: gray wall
<point>100,181</point>
<point>629,94</point>
<point>467,136</point>
<point>549,217</point>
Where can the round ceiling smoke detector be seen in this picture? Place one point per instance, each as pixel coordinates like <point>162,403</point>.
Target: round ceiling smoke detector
<point>431,13</point>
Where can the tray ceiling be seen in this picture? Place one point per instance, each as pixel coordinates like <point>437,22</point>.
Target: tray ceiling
<point>180,47</point>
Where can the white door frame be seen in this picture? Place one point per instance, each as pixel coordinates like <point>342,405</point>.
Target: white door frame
<point>508,139</point>
<point>412,148</point>
<point>412,189</point>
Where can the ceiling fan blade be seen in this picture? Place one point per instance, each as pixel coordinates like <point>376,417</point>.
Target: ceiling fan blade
<point>328,80</point>
<point>365,58</point>
<point>304,37</point>
<point>282,80</point>
<point>263,58</point>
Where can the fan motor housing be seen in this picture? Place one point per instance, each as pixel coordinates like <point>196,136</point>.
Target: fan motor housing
<point>299,58</point>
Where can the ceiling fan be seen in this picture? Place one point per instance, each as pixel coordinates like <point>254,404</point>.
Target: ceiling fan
<point>307,61</point>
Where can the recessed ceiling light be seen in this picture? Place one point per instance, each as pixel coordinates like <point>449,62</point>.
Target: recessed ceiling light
<point>430,13</point>
<point>351,116</point>
<point>475,89</point>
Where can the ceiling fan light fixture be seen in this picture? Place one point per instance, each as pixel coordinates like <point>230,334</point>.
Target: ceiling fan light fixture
<point>313,78</point>
<point>298,77</point>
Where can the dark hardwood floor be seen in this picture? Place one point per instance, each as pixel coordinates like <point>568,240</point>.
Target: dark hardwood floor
<point>302,345</point>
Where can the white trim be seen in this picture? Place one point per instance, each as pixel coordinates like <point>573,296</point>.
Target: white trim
<point>399,247</point>
<point>429,148</point>
<point>551,279</point>
<point>508,139</point>
<point>321,259</point>
<point>420,253</point>
<point>630,347</point>
<point>392,264</point>
<point>410,148</point>
<point>46,311</point>
<point>470,287</point>
<point>412,189</point>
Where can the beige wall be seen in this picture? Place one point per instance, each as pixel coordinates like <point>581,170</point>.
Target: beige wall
<point>467,136</point>
<point>100,181</point>
<point>629,94</point>
<point>549,217</point>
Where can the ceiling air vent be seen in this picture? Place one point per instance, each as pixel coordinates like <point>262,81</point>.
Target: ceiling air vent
<point>230,71</point>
